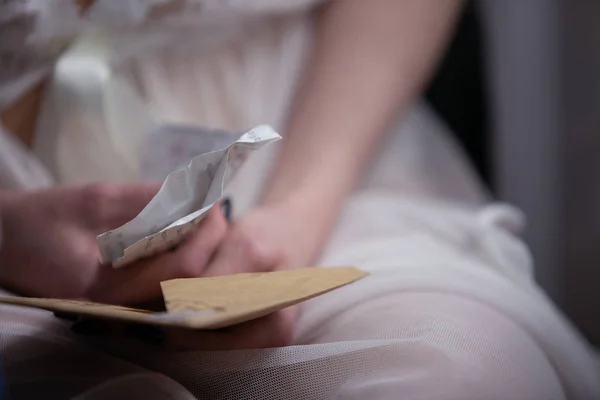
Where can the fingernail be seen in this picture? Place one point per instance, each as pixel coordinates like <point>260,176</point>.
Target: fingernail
<point>226,208</point>
<point>148,334</point>
<point>89,327</point>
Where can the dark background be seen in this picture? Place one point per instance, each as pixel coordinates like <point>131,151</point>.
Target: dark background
<point>458,94</point>
<point>520,88</point>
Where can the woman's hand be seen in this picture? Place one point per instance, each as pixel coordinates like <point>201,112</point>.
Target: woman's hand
<point>49,244</point>
<point>272,237</point>
<point>50,250</point>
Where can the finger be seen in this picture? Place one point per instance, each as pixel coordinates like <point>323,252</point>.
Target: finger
<point>107,206</point>
<point>241,253</point>
<point>193,254</point>
<point>140,282</point>
<point>274,330</point>
<point>129,202</point>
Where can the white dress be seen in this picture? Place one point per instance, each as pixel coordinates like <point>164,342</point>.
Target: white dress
<point>450,310</point>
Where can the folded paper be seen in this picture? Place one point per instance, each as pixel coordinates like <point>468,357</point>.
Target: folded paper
<point>216,302</point>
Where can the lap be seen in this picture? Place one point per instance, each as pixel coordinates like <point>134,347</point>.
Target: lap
<point>434,345</point>
<point>418,342</point>
<point>39,354</point>
<point>427,322</point>
<point>438,345</point>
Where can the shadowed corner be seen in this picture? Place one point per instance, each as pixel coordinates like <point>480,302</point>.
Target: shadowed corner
<point>3,385</point>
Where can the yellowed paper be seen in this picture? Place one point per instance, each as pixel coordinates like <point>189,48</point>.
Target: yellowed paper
<point>238,298</point>
<point>212,303</point>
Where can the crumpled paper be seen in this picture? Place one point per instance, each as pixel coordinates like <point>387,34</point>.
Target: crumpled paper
<point>182,202</point>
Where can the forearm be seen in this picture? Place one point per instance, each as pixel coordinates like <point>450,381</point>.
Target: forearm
<point>371,58</point>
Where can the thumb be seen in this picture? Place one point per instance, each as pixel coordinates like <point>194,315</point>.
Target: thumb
<point>132,200</point>
<point>140,281</point>
<point>108,206</point>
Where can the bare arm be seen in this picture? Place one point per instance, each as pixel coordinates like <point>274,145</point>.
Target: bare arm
<point>371,58</point>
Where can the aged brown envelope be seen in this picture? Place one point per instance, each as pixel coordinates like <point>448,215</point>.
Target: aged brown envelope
<point>211,303</point>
